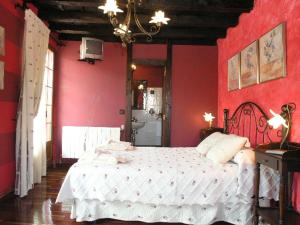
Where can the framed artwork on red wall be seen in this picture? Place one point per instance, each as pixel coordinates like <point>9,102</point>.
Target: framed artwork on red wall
<point>272,54</point>
<point>234,72</point>
<point>249,65</point>
<point>2,41</point>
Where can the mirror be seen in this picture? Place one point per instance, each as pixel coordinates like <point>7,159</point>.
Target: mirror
<point>139,94</point>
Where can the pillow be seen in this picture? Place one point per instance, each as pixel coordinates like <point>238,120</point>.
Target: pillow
<point>226,148</point>
<point>245,157</point>
<point>208,142</point>
<point>248,144</point>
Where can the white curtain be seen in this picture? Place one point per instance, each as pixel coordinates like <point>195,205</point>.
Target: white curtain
<point>39,139</point>
<point>35,45</point>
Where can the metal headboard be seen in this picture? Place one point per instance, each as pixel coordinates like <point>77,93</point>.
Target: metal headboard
<point>249,120</point>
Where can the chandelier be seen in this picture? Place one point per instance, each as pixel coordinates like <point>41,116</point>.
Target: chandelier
<point>123,30</point>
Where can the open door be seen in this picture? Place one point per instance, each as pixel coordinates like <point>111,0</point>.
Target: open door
<point>167,99</point>
<point>166,95</point>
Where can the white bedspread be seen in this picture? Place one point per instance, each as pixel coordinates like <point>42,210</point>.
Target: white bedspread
<point>160,176</point>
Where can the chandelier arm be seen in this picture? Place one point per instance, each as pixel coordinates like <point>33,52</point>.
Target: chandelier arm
<point>139,25</point>
<point>128,16</point>
<point>114,21</point>
<point>149,34</point>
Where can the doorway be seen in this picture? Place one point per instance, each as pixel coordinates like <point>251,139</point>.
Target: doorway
<point>166,95</point>
<point>147,104</point>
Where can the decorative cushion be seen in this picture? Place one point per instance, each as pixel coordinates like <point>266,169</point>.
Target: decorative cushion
<point>226,148</point>
<point>208,142</point>
<point>245,157</point>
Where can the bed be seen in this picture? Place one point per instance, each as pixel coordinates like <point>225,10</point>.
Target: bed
<point>173,184</point>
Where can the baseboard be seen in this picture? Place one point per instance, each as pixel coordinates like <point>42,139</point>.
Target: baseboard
<point>6,195</point>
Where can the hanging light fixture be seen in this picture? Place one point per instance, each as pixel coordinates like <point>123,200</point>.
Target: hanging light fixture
<point>123,30</point>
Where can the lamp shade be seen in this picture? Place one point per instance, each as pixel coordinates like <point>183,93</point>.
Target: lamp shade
<point>208,117</point>
<point>277,120</point>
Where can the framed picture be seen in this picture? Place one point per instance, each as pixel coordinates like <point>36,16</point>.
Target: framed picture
<point>1,75</point>
<point>272,55</point>
<point>249,65</point>
<point>2,41</point>
<point>234,72</point>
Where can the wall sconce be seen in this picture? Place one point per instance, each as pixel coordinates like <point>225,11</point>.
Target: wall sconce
<point>141,87</point>
<point>284,120</point>
<point>133,67</point>
<point>208,117</point>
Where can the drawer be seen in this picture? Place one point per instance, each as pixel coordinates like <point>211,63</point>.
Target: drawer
<point>267,160</point>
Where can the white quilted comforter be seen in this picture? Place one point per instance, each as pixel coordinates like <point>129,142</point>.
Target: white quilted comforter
<point>160,176</point>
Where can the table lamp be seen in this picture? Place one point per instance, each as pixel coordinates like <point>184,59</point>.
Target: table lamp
<point>208,117</point>
<point>283,119</point>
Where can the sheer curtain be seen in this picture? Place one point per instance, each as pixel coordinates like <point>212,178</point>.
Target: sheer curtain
<point>39,139</point>
<point>35,45</point>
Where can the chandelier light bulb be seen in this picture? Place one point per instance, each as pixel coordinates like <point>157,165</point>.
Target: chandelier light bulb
<point>122,29</point>
<point>159,18</point>
<point>110,8</point>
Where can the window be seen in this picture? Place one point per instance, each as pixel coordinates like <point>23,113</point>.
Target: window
<point>48,84</point>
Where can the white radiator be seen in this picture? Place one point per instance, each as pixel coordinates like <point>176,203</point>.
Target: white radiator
<point>77,140</point>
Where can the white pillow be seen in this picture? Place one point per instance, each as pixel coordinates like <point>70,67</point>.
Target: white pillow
<point>208,142</point>
<point>248,144</point>
<point>226,148</point>
<point>245,157</point>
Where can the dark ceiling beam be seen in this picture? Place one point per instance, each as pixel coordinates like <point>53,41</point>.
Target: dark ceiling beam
<point>164,33</point>
<point>79,17</point>
<point>186,41</point>
<point>174,6</point>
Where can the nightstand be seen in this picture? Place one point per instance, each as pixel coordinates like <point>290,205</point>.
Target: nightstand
<point>286,163</point>
<point>205,132</point>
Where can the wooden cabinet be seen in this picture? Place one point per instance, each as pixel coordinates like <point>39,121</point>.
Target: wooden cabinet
<point>207,131</point>
<point>285,164</point>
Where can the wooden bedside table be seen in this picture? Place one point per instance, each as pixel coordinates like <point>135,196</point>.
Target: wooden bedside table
<point>205,132</point>
<point>285,164</point>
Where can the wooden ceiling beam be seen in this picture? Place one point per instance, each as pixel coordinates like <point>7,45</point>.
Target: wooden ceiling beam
<point>181,41</point>
<point>164,33</point>
<point>192,21</point>
<point>172,7</point>
<point>86,18</point>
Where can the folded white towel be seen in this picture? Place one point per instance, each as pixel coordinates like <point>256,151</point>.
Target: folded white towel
<point>115,146</point>
<point>102,158</point>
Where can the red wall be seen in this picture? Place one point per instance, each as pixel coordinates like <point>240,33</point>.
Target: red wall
<point>88,95</point>
<point>194,87</point>
<point>153,75</point>
<point>12,20</point>
<point>265,15</point>
<point>93,94</point>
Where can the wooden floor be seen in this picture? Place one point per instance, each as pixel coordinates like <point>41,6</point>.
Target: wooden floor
<point>39,206</point>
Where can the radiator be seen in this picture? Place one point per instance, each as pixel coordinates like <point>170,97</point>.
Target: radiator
<point>77,140</point>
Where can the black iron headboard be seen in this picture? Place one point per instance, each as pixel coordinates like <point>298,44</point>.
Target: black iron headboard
<point>249,120</point>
